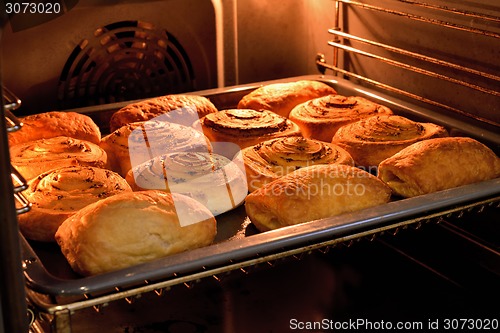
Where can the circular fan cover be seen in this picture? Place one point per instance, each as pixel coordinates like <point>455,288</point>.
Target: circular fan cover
<point>123,61</point>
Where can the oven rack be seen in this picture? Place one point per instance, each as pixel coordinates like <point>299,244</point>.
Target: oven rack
<point>341,42</point>
<point>57,311</point>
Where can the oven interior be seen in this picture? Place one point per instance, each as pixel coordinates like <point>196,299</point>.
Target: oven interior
<point>436,264</point>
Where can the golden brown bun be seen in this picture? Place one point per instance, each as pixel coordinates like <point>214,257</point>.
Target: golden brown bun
<point>135,143</point>
<point>245,127</point>
<point>55,123</point>
<point>133,228</point>
<point>36,157</point>
<point>438,164</point>
<point>372,140</point>
<point>281,98</point>
<point>275,158</point>
<point>320,118</point>
<point>211,179</point>
<point>58,194</point>
<point>313,193</point>
<point>188,108</point>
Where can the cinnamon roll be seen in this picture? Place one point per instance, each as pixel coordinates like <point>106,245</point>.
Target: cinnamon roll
<point>372,140</point>
<point>58,194</point>
<point>282,97</point>
<point>246,127</point>
<point>35,157</point>
<point>320,118</point>
<point>56,123</point>
<point>438,164</point>
<point>312,193</point>
<point>132,228</point>
<point>139,142</point>
<point>275,158</point>
<point>211,179</point>
<point>179,109</point>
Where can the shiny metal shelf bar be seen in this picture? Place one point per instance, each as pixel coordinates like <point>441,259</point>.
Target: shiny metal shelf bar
<point>429,20</point>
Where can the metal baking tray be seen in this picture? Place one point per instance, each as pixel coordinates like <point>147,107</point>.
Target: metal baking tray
<point>238,243</point>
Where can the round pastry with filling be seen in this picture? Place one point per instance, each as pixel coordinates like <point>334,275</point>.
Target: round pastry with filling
<point>272,159</point>
<point>36,157</point>
<point>372,140</point>
<point>212,179</point>
<point>245,127</point>
<point>320,118</point>
<point>58,194</point>
<point>282,97</point>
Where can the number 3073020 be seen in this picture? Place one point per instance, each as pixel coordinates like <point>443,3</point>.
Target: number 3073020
<point>32,8</point>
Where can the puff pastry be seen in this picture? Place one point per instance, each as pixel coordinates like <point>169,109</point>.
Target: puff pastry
<point>136,143</point>
<point>281,98</point>
<point>275,158</point>
<point>56,123</point>
<point>320,118</point>
<point>438,164</point>
<point>372,140</point>
<point>211,179</point>
<point>58,194</point>
<point>36,157</point>
<point>179,109</point>
<point>245,127</point>
<point>313,193</point>
<point>133,228</point>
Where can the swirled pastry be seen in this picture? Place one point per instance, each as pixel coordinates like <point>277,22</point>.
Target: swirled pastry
<point>178,109</point>
<point>132,228</point>
<point>246,127</point>
<point>320,118</point>
<point>36,157</point>
<point>56,123</point>
<point>438,164</point>
<point>275,158</point>
<point>58,194</point>
<point>372,140</point>
<point>282,97</point>
<point>139,142</point>
<point>211,179</point>
<point>312,193</point>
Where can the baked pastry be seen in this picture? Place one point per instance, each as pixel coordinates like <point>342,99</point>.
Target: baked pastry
<point>312,193</point>
<point>131,228</point>
<point>139,142</point>
<point>58,194</point>
<point>438,164</point>
<point>245,127</point>
<point>275,158</point>
<point>211,179</point>
<point>320,118</point>
<point>56,123</point>
<point>184,109</point>
<point>281,98</point>
<point>372,140</point>
<point>36,157</point>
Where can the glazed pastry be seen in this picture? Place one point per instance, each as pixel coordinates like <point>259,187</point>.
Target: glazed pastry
<point>312,193</point>
<point>372,140</point>
<point>58,194</point>
<point>320,118</point>
<point>36,157</point>
<point>281,98</point>
<point>139,142</point>
<point>275,158</point>
<point>245,127</point>
<point>211,179</point>
<point>55,123</point>
<point>131,228</point>
<point>178,109</point>
<point>438,164</point>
